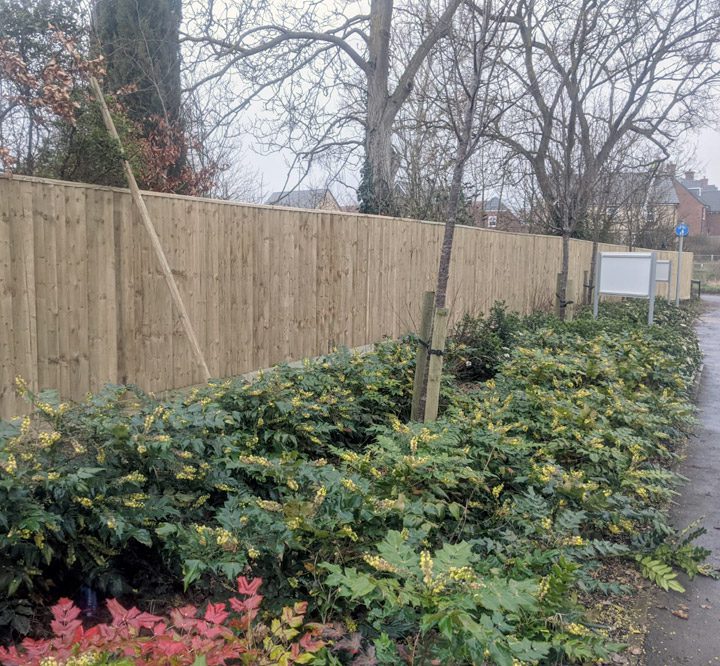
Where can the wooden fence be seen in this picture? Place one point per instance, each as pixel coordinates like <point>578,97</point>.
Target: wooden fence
<point>83,301</point>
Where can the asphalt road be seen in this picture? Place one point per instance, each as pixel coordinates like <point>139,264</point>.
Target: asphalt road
<point>673,640</point>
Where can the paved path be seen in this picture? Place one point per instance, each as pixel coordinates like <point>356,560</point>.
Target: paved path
<point>672,640</point>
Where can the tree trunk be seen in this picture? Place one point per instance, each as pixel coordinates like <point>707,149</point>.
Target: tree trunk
<point>449,235</point>
<point>378,133</point>
<point>564,272</point>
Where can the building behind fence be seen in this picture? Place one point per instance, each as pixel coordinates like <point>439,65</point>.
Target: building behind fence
<point>83,301</point>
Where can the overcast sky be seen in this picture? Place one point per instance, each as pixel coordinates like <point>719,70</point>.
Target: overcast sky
<point>708,155</point>
<point>706,145</point>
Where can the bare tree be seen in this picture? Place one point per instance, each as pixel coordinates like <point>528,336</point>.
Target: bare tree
<point>462,94</point>
<point>321,68</point>
<point>594,72</point>
<point>465,97</point>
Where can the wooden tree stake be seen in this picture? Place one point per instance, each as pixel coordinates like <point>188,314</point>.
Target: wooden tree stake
<point>437,349</point>
<point>421,356</point>
<point>154,238</point>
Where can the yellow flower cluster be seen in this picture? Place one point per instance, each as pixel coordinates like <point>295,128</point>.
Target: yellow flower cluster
<point>379,564</point>
<point>397,426</point>
<point>225,539</point>
<point>78,447</point>
<point>320,496</point>
<point>426,566</point>
<point>187,473</point>
<point>461,574</point>
<point>546,473</point>
<point>133,477</point>
<point>350,485</point>
<point>255,460</point>
<point>10,464</point>
<point>577,629</point>
<point>134,500</point>
<point>348,532</point>
<point>269,505</point>
<point>47,439</point>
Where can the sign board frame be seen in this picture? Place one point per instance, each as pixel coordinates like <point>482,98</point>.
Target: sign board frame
<point>663,270</point>
<point>642,288</point>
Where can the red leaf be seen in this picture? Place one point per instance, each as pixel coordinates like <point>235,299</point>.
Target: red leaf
<point>247,587</point>
<point>184,617</point>
<point>253,602</point>
<point>132,617</point>
<point>309,645</point>
<point>65,624</point>
<point>216,613</point>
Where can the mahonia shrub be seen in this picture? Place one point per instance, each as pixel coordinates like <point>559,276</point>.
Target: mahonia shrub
<point>477,537</point>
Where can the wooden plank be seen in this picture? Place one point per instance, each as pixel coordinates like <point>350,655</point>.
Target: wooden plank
<point>77,313</point>
<point>125,288</point>
<point>22,229</point>
<point>262,294</point>
<point>8,367</point>
<point>210,215</point>
<point>102,314</point>
<point>60,259</point>
<point>44,276</point>
<point>244,318</point>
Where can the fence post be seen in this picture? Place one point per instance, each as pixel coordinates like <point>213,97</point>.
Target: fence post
<point>437,349</point>
<point>421,355</point>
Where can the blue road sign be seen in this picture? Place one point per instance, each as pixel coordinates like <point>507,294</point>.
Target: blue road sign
<point>682,230</point>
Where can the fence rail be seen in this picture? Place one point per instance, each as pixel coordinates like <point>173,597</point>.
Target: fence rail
<point>83,301</point>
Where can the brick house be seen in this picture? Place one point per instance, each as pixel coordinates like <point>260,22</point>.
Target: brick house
<point>699,205</point>
<point>494,214</point>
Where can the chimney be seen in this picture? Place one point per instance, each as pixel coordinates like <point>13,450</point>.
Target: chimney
<point>689,175</point>
<point>670,169</point>
<point>704,182</point>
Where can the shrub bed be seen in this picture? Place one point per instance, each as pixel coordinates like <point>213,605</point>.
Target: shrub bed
<point>469,540</point>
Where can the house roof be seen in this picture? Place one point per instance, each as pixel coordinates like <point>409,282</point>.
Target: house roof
<point>711,197</point>
<point>310,199</point>
<point>495,203</point>
<point>637,188</point>
<point>703,192</point>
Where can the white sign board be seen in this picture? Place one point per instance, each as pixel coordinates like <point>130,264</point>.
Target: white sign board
<point>630,274</point>
<point>662,270</point>
<point>626,273</point>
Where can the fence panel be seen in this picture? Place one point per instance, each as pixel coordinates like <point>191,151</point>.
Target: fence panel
<point>83,301</point>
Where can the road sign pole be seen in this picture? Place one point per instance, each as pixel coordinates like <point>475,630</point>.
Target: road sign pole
<point>679,268</point>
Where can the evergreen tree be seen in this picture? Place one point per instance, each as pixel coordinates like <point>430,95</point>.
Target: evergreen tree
<point>141,44</point>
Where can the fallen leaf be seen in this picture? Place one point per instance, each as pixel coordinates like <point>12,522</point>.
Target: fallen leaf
<point>681,613</point>
<point>635,650</point>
